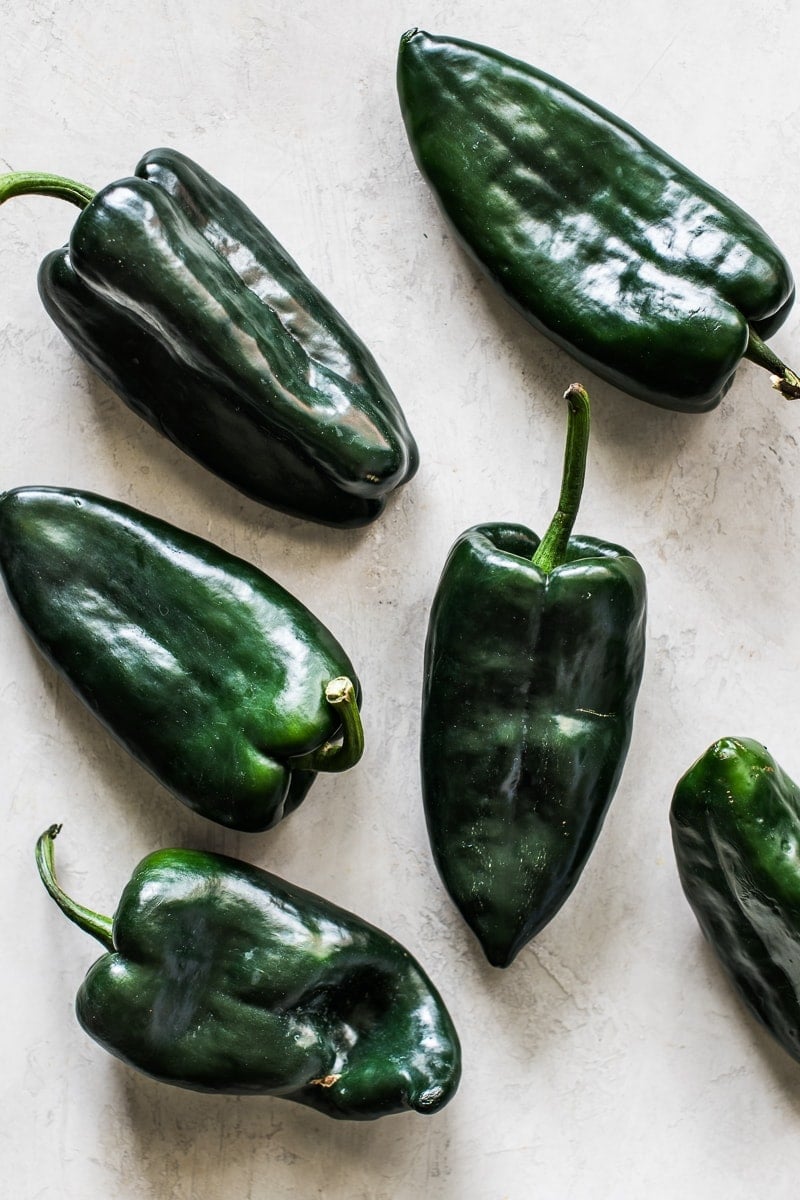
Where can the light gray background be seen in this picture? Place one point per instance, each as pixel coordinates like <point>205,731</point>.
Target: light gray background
<point>612,1058</point>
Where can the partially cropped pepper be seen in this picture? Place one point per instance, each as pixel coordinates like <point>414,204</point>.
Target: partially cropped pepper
<point>220,977</point>
<point>181,300</point>
<point>212,675</point>
<point>624,258</point>
<point>533,661</point>
<point>736,831</point>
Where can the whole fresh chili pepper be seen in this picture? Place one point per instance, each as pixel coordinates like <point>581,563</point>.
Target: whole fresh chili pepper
<point>187,307</point>
<point>216,679</point>
<point>533,661</point>
<point>736,831</point>
<point>222,978</point>
<point>624,258</point>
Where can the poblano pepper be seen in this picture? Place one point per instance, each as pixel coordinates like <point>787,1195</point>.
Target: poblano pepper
<point>532,665</point>
<point>181,300</point>
<point>212,675</point>
<point>220,977</point>
<point>624,258</point>
<point>736,831</point>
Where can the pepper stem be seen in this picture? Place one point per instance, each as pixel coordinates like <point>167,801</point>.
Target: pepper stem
<point>35,183</point>
<point>90,922</point>
<point>338,755</point>
<point>552,549</point>
<point>783,378</point>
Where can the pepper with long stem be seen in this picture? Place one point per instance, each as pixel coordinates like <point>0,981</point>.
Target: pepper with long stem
<point>532,665</point>
<point>221,977</point>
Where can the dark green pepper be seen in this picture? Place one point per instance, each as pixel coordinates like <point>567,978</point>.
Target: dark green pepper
<point>648,276</point>
<point>736,831</point>
<point>222,978</point>
<point>216,679</point>
<point>187,307</point>
<point>532,665</point>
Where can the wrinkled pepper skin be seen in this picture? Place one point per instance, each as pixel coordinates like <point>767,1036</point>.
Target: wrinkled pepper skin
<point>612,249</point>
<point>530,685</point>
<point>220,977</point>
<point>188,308</point>
<point>205,669</point>
<point>736,831</point>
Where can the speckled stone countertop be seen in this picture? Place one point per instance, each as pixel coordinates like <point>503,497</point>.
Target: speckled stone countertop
<point>612,1059</point>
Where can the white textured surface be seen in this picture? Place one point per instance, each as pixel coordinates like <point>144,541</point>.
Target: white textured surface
<point>612,1059</point>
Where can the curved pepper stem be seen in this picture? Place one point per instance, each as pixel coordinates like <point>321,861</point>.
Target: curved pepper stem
<point>783,378</point>
<point>36,183</point>
<point>341,755</point>
<point>90,922</point>
<point>552,549</point>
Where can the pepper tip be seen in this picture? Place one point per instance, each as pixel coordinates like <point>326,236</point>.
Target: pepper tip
<point>339,690</point>
<point>786,385</point>
<point>430,1100</point>
<point>576,391</point>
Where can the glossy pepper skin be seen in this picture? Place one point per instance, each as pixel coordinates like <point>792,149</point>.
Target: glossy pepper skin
<point>189,309</point>
<point>736,831</point>
<point>220,977</point>
<point>215,678</point>
<point>532,666</point>
<point>624,258</point>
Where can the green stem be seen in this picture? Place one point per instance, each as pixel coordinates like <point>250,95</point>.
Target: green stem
<point>784,379</point>
<point>340,755</point>
<point>552,549</point>
<point>90,922</point>
<point>35,183</point>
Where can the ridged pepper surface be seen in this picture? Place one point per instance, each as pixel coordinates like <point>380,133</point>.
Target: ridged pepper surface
<point>181,300</point>
<point>623,257</point>
<point>736,831</point>
<point>212,675</point>
<point>532,666</point>
<point>220,977</point>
